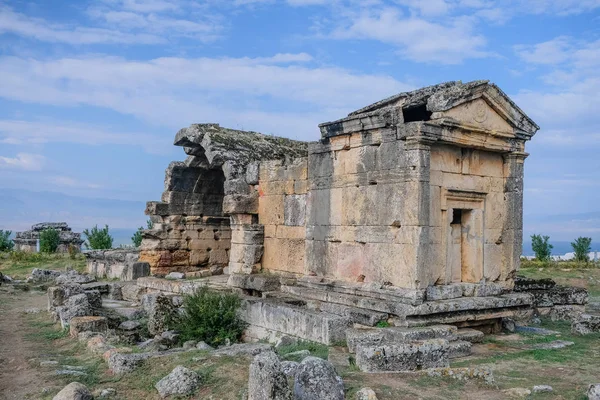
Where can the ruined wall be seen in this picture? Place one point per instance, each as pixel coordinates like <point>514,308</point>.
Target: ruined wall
<point>357,223</point>
<point>282,212</point>
<point>190,232</point>
<point>187,244</point>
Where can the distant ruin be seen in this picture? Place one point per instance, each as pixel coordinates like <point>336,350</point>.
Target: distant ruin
<point>28,241</point>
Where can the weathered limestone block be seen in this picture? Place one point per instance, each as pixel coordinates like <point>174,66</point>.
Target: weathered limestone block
<point>74,391</point>
<point>87,324</point>
<point>566,312</point>
<point>267,380</point>
<point>470,335</point>
<point>366,394</point>
<point>459,348</point>
<point>75,306</point>
<point>356,337</point>
<point>411,356</point>
<point>276,316</point>
<point>316,379</point>
<point>241,203</point>
<point>586,324</point>
<point>248,234</point>
<point>180,382</point>
<point>523,284</point>
<point>559,295</point>
<point>58,294</point>
<point>258,282</point>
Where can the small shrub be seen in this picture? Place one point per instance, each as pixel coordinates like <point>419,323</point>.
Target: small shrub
<point>137,236</point>
<point>541,247</point>
<point>5,243</point>
<point>383,324</point>
<point>73,251</point>
<point>49,240</point>
<point>582,247</point>
<point>98,239</point>
<point>211,317</point>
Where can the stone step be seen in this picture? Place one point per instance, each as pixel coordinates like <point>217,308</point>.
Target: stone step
<point>409,356</point>
<point>218,282</point>
<point>401,295</point>
<point>470,335</point>
<point>356,337</point>
<point>459,348</point>
<point>274,317</point>
<point>350,300</point>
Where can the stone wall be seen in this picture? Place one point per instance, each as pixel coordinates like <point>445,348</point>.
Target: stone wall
<point>355,214</point>
<point>116,264</point>
<point>187,244</point>
<point>282,212</point>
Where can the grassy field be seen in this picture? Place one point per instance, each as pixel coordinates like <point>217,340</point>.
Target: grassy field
<point>18,265</point>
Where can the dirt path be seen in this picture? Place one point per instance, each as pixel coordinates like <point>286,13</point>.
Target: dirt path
<point>19,379</point>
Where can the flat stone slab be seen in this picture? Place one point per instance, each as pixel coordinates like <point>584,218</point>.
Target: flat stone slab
<point>379,336</point>
<point>557,344</point>
<point>412,356</point>
<point>470,335</point>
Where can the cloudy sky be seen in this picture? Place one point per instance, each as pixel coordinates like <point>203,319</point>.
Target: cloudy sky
<point>92,92</point>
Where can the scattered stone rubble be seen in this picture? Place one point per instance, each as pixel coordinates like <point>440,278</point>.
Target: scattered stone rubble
<point>28,241</point>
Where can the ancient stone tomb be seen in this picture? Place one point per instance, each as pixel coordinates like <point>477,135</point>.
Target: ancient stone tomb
<point>28,241</point>
<point>421,189</point>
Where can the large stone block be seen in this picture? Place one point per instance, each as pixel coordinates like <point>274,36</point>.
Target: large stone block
<point>413,356</point>
<point>295,210</point>
<point>271,210</point>
<point>87,324</point>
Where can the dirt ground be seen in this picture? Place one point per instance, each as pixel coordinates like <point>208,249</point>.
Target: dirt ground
<point>27,339</point>
<point>19,379</point>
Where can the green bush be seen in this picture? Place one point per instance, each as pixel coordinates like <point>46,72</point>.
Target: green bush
<point>5,243</point>
<point>211,317</point>
<point>49,240</point>
<point>137,236</point>
<point>541,247</point>
<point>98,239</point>
<point>582,247</point>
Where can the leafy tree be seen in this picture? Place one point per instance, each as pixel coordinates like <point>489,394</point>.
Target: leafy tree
<point>5,243</point>
<point>137,236</point>
<point>211,317</point>
<point>581,247</point>
<point>98,239</point>
<point>541,247</point>
<point>49,240</point>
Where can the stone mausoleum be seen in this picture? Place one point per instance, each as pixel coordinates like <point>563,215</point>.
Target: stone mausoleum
<point>408,210</point>
<point>28,241</point>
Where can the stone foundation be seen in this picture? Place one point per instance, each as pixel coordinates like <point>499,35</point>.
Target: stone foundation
<point>116,264</point>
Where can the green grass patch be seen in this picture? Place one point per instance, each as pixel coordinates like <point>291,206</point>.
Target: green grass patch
<point>18,265</point>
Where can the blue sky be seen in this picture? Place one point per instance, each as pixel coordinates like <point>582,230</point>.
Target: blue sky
<point>93,92</point>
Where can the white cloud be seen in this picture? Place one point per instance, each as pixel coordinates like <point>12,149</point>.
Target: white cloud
<point>417,39</point>
<point>176,91</point>
<point>554,51</point>
<point>24,132</point>
<point>69,182</point>
<point>118,22</point>
<point>39,29</point>
<point>23,161</point>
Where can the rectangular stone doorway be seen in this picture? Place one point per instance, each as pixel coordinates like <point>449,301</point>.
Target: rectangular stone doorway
<point>464,237</point>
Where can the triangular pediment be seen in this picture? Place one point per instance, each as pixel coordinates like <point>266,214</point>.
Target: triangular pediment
<point>477,114</point>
